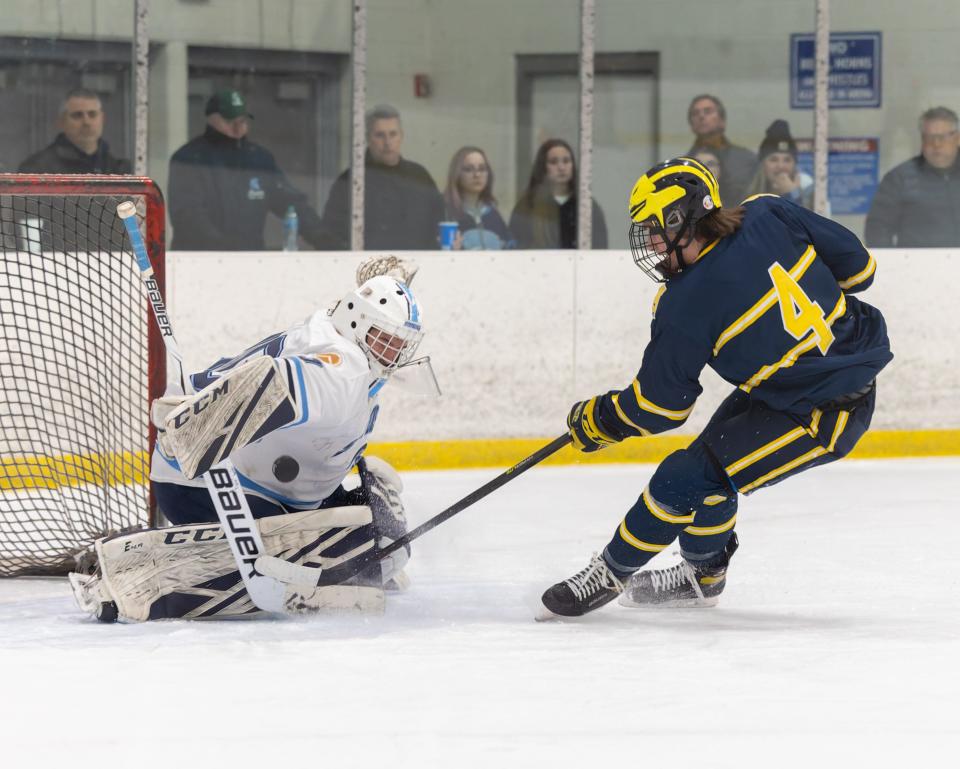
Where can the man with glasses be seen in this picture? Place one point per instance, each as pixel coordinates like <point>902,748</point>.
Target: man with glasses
<point>918,202</point>
<point>79,147</point>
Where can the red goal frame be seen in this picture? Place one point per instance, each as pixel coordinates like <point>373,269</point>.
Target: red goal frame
<point>154,235</point>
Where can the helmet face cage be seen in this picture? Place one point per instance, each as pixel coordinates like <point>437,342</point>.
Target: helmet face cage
<point>656,264</point>
<point>667,202</point>
<point>390,349</point>
<point>645,256</point>
<point>383,318</point>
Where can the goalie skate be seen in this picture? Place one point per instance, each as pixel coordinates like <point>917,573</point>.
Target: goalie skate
<point>241,406</point>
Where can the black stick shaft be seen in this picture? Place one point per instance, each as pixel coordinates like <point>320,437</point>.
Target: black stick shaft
<point>359,564</point>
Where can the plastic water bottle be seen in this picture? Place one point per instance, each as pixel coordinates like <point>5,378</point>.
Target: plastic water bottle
<point>290,227</point>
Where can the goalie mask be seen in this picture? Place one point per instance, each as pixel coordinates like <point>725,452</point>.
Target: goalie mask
<point>384,319</point>
<point>666,204</point>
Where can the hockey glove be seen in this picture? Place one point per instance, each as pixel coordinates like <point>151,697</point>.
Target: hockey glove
<point>586,429</point>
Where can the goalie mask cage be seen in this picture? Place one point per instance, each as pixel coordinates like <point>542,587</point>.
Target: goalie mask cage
<point>80,361</point>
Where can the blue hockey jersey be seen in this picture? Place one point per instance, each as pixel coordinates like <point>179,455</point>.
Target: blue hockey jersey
<point>769,308</point>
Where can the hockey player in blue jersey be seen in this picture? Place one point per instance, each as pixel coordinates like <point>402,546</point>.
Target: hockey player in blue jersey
<point>761,293</point>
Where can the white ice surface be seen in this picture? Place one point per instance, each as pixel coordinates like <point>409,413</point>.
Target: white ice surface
<point>835,644</point>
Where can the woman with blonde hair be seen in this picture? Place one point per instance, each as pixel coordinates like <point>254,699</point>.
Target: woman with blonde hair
<point>470,202</point>
<point>778,172</point>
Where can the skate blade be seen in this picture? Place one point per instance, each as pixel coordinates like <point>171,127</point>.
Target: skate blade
<point>545,615</point>
<point>686,603</point>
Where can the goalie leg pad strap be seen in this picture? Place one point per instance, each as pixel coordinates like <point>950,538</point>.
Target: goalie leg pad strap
<point>188,571</point>
<point>240,407</point>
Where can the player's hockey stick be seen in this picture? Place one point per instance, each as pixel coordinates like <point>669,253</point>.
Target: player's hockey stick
<point>292,573</point>
<point>223,484</point>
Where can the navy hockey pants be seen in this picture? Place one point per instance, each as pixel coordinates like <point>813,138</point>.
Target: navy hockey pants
<point>191,504</point>
<point>745,446</point>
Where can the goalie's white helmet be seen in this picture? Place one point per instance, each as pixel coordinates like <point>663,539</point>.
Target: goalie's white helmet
<point>382,317</point>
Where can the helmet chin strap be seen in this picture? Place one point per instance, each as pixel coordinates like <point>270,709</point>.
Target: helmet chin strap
<point>674,247</point>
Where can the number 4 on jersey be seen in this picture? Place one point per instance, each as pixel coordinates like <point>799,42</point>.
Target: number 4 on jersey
<point>800,314</point>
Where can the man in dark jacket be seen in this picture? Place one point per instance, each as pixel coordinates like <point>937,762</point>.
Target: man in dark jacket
<point>222,186</point>
<point>708,120</point>
<point>73,223</point>
<point>918,202</point>
<point>402,204</point>
<point>78,148</point>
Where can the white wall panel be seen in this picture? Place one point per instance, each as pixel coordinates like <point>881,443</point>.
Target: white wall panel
<point>516,337</point>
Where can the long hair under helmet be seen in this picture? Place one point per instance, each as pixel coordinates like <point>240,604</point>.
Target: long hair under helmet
<point>667,202</point>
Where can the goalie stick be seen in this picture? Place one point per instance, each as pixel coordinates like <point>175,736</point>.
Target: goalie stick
<point>301,575</point>
<point>223,484</point>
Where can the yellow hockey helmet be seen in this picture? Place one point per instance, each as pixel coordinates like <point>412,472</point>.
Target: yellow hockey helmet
<point>665,205</point>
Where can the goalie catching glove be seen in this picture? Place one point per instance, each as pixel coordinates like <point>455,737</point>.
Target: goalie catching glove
<point>587,428</point>
<point>399,268</point>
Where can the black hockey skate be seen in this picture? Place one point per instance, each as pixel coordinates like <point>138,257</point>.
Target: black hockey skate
<point>588,589</point>
<point>689,583</point>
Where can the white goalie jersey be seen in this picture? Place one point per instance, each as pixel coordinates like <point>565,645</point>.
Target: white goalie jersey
<point>336,404</point>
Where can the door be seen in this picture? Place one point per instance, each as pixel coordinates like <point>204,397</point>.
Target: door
<point>624,127</point>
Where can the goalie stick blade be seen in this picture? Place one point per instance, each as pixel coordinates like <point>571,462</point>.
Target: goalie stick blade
<point>287,572</point>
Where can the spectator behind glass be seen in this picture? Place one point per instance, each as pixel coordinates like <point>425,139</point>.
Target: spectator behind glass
<point>711,161</point>
<point>918,202</point>
<point>470,202</point>
<point>222,185</point>
<point>708,121</point>
<point>778,172</point>
<point>79,147</point>
<point>546,214</point>
<point>402,204</point>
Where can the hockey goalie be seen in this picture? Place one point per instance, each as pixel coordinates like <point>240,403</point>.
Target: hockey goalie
<point>293,413</point>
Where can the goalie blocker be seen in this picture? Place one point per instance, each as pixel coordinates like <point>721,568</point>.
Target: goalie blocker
<point>241,406</point>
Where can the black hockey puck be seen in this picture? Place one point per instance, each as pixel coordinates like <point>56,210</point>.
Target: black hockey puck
<point>285,469</point>
<point>107,612</point>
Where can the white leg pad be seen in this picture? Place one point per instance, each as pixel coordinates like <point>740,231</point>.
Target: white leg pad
<point>189,572</point>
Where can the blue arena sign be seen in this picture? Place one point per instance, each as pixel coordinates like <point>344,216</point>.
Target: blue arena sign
<point>855,70</point>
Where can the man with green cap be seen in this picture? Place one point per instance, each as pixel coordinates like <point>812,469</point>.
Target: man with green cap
<point>222,185</point>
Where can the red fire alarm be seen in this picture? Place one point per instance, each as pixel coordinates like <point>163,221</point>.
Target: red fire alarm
<point>422,86</point>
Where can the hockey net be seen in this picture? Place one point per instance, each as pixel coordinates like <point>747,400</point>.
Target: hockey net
<point>80,361</point>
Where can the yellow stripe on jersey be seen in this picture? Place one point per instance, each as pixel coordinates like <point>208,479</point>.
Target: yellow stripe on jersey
<point>627,537</point>
<point>838,429</point>
<point>805,345</point>
<point>765,451</point>
<point>653,408</point>
<point>866,272</point>
<point>656,299</point>
<point>767,302</point>
<point>714,499</point>
<point>708,531</point>
<point>758,195</point>
<point>706,250</point>
<point>819,451</point>
<point>815,422</point>
<point>625,418</point>
<point>659,512</point>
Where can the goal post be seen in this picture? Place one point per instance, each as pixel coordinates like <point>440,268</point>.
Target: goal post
<point>81,359</point>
